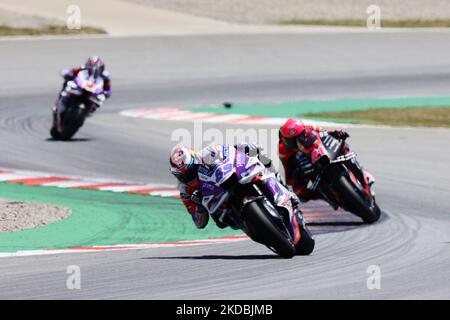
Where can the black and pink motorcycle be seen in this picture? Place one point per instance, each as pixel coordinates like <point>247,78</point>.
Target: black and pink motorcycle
<point>340,180</point>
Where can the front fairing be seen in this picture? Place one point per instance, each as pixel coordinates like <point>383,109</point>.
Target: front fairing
<point>72,89</point>
<point>89,84</point>
<point>213,197</point>
<point>226,164</point>
<point>247,170</point>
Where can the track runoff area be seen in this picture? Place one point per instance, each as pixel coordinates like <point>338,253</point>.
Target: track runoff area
<point>99,205</point>
<point>66,237</point>
<point>409,247</point>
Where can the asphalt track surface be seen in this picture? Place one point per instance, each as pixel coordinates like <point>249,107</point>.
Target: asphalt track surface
<point>411,245</point>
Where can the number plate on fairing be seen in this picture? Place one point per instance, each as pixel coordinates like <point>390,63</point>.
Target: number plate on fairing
<point>331,144</point>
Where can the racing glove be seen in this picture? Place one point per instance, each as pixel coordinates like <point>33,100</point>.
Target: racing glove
<point>107,94</point>
<point>249,148</point>
<point>339,134</point>
<point>100,99</point>
<point>253,150</point>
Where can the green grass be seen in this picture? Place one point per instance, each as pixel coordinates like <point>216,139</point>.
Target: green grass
<point>407,23</point>
<point>416,117</point>
<point>48,30</point>
<point>295,108</point>
<point>103,218</point>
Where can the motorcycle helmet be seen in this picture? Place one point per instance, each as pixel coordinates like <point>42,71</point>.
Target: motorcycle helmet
<point>183,163</point>
<point>95,66</point>
<point>292,131</point>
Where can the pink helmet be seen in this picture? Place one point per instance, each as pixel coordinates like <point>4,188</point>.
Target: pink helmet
<point>292,128</point>
<point>292,131</point>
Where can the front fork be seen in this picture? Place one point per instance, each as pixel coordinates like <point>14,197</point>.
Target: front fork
<point>56,119</point>
<point>57,109</point>
<point>293,219</point>
<point>359,173</point>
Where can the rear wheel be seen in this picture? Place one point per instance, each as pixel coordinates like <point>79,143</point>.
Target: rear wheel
<point>367,210</point>
<point>265,230</point>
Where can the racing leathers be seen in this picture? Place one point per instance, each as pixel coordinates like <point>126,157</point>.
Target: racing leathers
<point>298,161</point>
<point>191,196</point>
<point>71,74</point>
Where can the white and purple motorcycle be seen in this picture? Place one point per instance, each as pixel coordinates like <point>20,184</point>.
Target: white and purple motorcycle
<point>79,98</point>
<point>239,191</point>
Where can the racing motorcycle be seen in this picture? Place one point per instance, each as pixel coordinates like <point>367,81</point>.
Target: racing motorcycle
<point>80,97</point>
<point>341,181</point>
<point>242,193</point>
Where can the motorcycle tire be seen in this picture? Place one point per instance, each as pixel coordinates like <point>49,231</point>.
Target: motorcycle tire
<point>72,126</point>
<point>68,133</point>
<point>355,203</point>
<point>307,243</point>
<point>260,222</point>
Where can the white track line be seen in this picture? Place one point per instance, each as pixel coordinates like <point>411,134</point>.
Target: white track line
<point>79,183</point>
<point>179,114</point>
<point>67,184</point>
<point>154,189</point>
<point>121,247</point>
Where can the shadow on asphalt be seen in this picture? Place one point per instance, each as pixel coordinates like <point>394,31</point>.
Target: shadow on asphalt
<point>336,223</point>
<point>219,257</point>
<point>71,140</point>
<point>330,226</point>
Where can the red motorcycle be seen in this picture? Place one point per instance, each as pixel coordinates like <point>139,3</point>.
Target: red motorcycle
<point>340,180</point>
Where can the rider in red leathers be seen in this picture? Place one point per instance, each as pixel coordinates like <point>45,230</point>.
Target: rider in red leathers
<point>184,163</point>
<point>299,148</point>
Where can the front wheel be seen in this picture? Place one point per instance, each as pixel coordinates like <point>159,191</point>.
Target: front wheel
<point>264,229</point>
<point>306,244</point>
<point>55,133</point>
<point>68,132</point>
<point>73,120</point>
<point>367,210</point>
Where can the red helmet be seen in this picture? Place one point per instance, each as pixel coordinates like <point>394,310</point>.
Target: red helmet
<point>291,130</point>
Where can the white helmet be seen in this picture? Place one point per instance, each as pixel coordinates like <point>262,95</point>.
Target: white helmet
<point>182,163</point>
